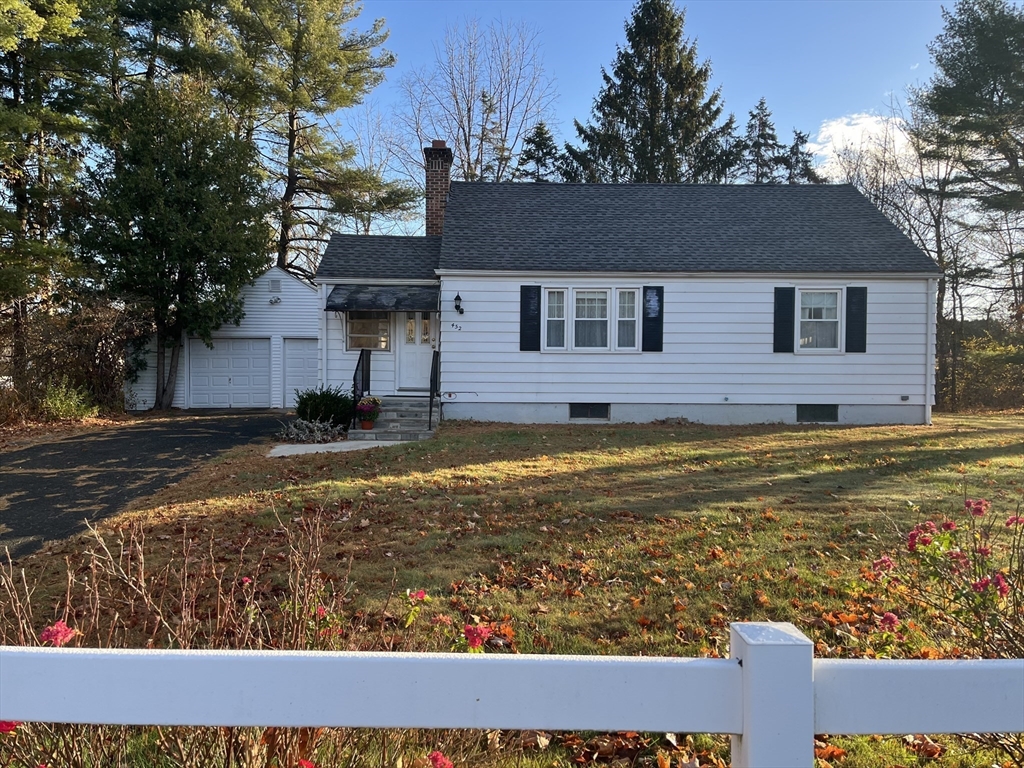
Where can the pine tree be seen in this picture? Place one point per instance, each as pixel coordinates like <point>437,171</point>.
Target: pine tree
<point>178,220</point>
<point>763,155</point>
<point>654,119</point>
<point>798,162</point>
<point>540,158</point>
<point>977,95</point>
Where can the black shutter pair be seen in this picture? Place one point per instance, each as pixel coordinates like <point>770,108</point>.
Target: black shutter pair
<point>856,319</point>
<point>652,298</point>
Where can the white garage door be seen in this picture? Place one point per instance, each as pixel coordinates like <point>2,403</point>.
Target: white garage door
<point>234,374</point>
<point>300,368</point>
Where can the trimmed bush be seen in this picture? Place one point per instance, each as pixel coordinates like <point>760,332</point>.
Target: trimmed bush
<point>62,401</point>
<point>332,405</point>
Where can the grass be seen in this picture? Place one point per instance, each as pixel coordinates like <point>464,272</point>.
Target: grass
<point>631,539</point>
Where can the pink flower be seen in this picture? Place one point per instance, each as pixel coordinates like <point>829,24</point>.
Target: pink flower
<point>928,525</point>
<point>883,563</point>
<point>417,596</point>
<point>949,525</point>
<point>246,581</point>
<point>981,584</point>
<point>306,763</point>
<point>475,636</point>
<point>59,634</point>
<point>321,611</point>
<point>889,622</point>
<point>9,726</point>
<point>984,551</point>
<point>925,540</point>
<point>438,760</point>
<point>1000,584</point>
<point>977,507</point>
<point>912,540</point>
<point>1014,520</point>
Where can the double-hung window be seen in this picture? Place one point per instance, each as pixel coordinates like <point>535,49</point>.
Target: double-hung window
<point>554,319</point>
<point>591,319</point>
<point>819,320</point>
<point>369,330</point>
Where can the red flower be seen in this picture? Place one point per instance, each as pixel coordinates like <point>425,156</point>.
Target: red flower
<point>949,525</point>
<point>321,611</point>
<point>884,563</point>
<point>9,726</point>
<point>977,507</point>
<point>889,622</point>
<point>981,584</point>
<point>475,636</point>
<point>306,763</point>
<point>1000,584</point>
<point>59,634</point>
<point>1014,520</point>
<point>438,760</point>
<point>417,596</point>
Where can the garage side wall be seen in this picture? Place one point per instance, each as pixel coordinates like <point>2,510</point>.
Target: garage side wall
<point>279,309</point>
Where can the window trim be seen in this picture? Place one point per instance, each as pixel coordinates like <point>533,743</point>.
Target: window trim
<point>391,333</point>
<point>608,293</point>
<point>569,339</point>
<point>840,348</point>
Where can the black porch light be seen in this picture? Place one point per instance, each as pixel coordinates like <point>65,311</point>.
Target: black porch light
<point>458,304</point>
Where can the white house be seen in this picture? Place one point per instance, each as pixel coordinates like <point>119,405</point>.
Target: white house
<point>259,363</point>
<point>638,302</point>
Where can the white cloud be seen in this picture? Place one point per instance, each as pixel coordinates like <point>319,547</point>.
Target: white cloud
<point>858,130</point>
<point>914,66</point>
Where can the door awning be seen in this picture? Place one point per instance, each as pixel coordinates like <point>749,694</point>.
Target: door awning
<point>386,298</point>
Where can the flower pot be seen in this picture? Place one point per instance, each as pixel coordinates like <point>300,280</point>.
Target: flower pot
<point>367,424</point>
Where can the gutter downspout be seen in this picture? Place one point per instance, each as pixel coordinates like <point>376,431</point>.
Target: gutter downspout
<point>929,369</point>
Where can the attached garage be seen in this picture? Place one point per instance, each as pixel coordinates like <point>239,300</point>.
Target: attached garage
<point>256,364</point>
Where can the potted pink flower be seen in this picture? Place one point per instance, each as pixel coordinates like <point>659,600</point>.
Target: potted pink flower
<point>368,411</point>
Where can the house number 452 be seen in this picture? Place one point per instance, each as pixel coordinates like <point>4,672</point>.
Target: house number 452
<point>456,326</point>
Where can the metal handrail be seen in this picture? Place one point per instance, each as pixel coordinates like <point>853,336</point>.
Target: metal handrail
<point>435,386</point>
<point>360,381</point>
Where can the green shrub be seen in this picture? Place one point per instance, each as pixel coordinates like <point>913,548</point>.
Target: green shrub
<point>62,401</point>
<point>327,404</point>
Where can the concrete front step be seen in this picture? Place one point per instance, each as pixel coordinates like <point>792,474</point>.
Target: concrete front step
<point>389,434</point>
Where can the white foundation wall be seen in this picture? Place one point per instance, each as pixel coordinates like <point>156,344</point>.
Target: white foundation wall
<point>717,363</point>
<point>296,316</point>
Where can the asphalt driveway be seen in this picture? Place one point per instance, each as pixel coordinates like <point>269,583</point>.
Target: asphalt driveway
<point>49,490</point>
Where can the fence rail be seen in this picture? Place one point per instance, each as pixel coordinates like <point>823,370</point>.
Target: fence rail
<point>771,695</point>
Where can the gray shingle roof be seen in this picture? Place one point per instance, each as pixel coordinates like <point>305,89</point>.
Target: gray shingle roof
<point>380,257</point>
<point>671,228</point>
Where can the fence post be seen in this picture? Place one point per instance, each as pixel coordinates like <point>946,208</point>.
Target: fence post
<point>778,695</point>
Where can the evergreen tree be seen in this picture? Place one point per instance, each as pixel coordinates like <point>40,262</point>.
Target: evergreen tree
<point>178,219</point>
<point>798,162</point>
<point>654,119</point>
<point>977,95</point>
<point>540,158</point>
<point>763,155</point>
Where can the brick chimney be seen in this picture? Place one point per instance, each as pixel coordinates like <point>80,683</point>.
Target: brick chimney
<point>438,162</point>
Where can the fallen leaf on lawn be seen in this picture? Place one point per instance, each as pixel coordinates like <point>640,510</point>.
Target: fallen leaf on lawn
<point>535,740</point>
<point>364,523</point>
<point>829,752</point>
<point>923,746</point>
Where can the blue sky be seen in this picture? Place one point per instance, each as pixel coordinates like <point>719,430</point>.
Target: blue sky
<point>813,60</point>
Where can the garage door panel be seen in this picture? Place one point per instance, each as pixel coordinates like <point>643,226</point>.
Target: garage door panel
<point>301,367</point>
<point>234,374</point>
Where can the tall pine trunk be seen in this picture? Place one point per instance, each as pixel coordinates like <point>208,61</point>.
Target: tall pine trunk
<point>291,185</point>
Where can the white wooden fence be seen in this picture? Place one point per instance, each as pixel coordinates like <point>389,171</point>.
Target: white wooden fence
<point>771,694</point>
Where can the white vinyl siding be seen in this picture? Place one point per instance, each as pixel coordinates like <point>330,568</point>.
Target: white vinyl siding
<point>718,340</point>
<point>301,367</point>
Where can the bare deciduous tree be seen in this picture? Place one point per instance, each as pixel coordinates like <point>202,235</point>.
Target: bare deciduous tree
<point>486,89</point>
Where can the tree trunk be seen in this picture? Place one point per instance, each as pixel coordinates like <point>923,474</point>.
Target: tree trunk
<point>291,185</point>
<point>166,370</point>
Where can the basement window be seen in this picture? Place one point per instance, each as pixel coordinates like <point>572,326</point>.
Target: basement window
<point>817,414</point>
<point>590,411</point>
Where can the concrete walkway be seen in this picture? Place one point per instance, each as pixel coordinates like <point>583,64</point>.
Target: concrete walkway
<point>342,447</point>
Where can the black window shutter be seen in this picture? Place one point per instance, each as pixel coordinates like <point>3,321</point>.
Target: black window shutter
<point>529,318</point>
<point>654,318</point>
<point>785,316</point>
<point>856,319</point>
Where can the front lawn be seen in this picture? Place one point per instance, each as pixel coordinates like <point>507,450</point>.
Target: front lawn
<point>625,539</point>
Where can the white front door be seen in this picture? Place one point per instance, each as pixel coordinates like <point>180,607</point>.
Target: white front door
<point>417,340</point>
